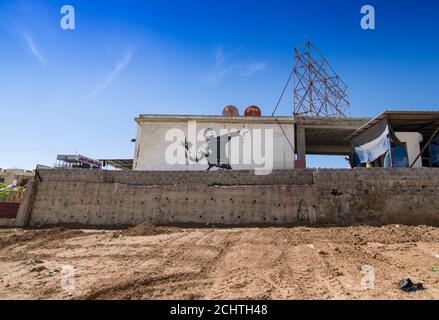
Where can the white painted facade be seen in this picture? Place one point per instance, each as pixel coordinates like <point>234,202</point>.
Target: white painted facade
<point>412,140</point>
<point>175,143</point>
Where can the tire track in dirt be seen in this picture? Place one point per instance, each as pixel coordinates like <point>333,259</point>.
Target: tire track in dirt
<point>302,273</point>
<point>139,287</point>
<point>156,286</point>
<point>224,263</point>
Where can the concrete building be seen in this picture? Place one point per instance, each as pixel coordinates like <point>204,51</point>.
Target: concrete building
<point>20,176</point>
<point>164,192</point>
<point>182,142</point>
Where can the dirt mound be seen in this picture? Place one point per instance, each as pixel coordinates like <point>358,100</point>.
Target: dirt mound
<point>147,229</point>
<point>395,234</point>
<point>46,235</point>
<point>362,234</point>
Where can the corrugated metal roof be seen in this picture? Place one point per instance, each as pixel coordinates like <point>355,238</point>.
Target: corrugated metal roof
<point>424,122</point>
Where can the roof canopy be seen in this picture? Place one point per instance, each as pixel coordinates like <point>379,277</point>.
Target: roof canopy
<point>121,164</point>
<point>424,122</point>
<point>328,136</point>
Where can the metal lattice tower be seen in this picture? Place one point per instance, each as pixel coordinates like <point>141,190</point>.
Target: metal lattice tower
<point>318,90</point>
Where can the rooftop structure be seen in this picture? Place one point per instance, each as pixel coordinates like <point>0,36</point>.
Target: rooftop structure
<point>306,135</point>
<point>318,89</point>
<point>78,161</point>
<point>398,139</point>
<point>120,164</point>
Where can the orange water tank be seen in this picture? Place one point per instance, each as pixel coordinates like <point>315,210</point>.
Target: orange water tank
<point>252,111</point>
<point>231,111</point>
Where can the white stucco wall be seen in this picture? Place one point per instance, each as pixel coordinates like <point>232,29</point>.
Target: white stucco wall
<point>261,144</point>
<point>412,139</point>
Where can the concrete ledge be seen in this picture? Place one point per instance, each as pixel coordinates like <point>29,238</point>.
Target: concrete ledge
<point>232,178</point>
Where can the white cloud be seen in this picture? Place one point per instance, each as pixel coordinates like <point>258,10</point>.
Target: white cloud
<point>252,68</point>
<point>117,69</point>
<point>222,68</point>
<point>219,56</point>
<point>33,48</point>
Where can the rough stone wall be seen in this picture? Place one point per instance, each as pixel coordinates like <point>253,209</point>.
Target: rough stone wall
<point>378,196</point>
<point>323,197</point>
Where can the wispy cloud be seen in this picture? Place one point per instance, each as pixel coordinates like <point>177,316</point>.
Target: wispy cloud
<point>252,68</point>
<point>117,69</point>
<point>222,68</point>
<point>33,47</point>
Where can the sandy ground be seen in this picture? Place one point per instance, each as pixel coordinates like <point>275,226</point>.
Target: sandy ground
<point>230,263</point>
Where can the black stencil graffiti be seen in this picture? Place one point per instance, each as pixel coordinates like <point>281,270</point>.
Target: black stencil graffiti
<point>214,149</point>
<point>302,212</point>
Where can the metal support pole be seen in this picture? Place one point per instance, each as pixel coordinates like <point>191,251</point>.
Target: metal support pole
<point>425,147</point>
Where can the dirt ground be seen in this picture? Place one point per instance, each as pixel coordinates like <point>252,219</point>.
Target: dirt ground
<point>148,262</point>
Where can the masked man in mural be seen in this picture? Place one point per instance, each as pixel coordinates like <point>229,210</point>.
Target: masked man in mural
<point>214,149</point>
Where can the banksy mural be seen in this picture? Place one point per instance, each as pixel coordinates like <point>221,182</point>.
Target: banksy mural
<point>214,150</point>
<point>212,146</point>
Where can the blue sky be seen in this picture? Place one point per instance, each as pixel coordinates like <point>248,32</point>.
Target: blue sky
<point>79,91</point>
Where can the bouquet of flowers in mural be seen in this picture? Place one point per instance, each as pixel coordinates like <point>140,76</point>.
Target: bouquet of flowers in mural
<point>10,193</point>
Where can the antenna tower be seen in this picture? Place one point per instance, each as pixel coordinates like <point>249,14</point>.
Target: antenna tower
<point>318,90</point>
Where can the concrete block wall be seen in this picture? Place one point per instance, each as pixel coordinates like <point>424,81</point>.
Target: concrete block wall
<point>323,197</point>
<point>379,196</point>
<point>112,204</point>
<point>109,197</point>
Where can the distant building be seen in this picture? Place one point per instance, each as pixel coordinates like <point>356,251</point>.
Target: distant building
<point>19,176</point>
<point>77,161</point>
